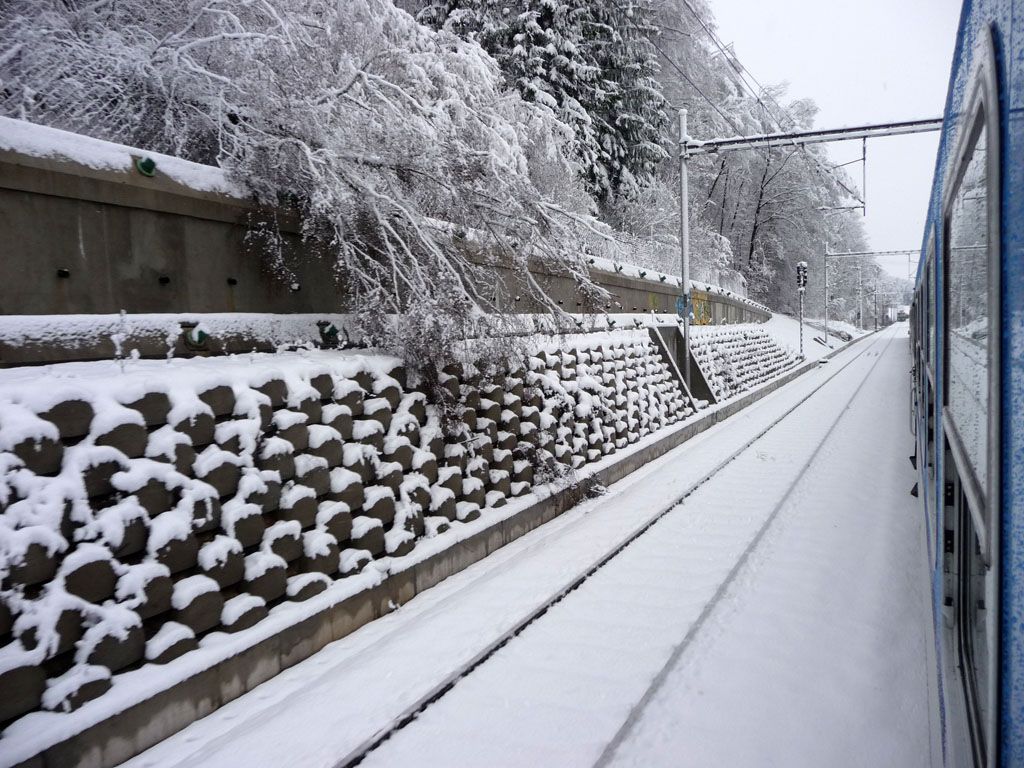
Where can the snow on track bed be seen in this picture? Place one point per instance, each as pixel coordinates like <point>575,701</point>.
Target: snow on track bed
<point>399,661</point>
<point>579,667</point>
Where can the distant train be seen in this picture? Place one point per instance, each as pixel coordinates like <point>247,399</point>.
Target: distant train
<point>967,333</point>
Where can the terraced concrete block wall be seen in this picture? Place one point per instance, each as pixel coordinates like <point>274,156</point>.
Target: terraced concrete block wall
<point>734,360</point>
<point>144,507</point>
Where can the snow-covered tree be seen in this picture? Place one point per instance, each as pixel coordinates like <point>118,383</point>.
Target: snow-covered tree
<point>589,62</point>
<point>390,138</point>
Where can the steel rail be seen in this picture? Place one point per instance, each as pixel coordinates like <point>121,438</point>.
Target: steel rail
<point>356,755</point>
<point>659,680</point>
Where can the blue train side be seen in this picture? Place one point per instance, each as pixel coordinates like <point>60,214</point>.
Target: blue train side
<point>967,328</point>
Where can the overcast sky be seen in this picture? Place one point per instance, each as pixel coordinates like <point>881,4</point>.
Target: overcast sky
<point>862,61</point>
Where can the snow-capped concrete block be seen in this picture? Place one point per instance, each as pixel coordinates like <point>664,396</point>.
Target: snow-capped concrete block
<point>222,560</point>
<point>291,426</point>
<point>242,612</point>
<point>414,403</point>
<point>379,503</point>
<point>133,538</point>
<point>197,603</point>
<point>267,497</point>
<point>419,494</point>
<point>243,522</point>
<point>72,418</point>
<point>442,502</point>
<point>324,385</point>
<point>326,442</point>
<point>42,455</point>
<point>221,472</point>
<point>313,472</point>
<point>265,576</point>
<point>354,460</point>
<point>153,496</point>
<point>389,475</point>
<point>23,685</point>
<point>113,647</point>
<point>335,518</point>
<point>284,539</point>
<point>368,534</point>
<point>306,585</point>
<point>473,491</point>
<point>413,522</point>
<point>319,552</point>
<point>349,394</point>
<point>129,439</point>
<point>338,418</point>
<point>277,455</point>
<point>92,579</point>
<point>171,641</point>
<point>205,513</point>
<point>155,596</point>
<point>467,511</point>
<point>153,406</point>
<point>298,504</point>
<point>364,379</point>
<point>425,464</point>
<point>178,554</point>
<point>198,428</point>
<point>220,400</point>
<point>276,390</point>
<point>36,563</point>
<point>369,431</point>
<point>311,408</point>
<point>390,392</point>
<point>399,450</point>
<point>54,623</point>
<point>346,486</point>
<point>400,375</point>
<point>399,542</point>
<point>97,471</point>
<point>379,409</point>
<point>81,684</point>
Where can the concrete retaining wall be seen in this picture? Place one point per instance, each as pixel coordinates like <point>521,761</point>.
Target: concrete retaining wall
<point>184,500</point>
<point>77,240</point>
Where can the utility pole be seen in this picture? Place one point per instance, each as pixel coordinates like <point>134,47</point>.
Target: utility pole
<point>874,293</point>
<point>684,239</point>
<point>860,296</point>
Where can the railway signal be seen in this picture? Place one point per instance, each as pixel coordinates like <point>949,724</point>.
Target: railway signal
<point>801,286</point>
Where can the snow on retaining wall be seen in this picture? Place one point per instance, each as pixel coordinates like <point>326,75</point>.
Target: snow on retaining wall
<point>150,507</point>
<point>734,359</point>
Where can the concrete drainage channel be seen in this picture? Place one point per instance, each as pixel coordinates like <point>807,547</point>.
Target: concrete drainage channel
<point>148,722</point>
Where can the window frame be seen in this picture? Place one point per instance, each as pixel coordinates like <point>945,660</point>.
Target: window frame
<point>983,514</point>
<point>981,115</point>
<point>930,324</point>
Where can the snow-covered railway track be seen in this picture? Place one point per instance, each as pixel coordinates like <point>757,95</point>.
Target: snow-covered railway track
<point>756,528</point>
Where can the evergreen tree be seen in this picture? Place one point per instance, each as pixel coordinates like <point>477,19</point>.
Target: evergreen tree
<point>590,62</point>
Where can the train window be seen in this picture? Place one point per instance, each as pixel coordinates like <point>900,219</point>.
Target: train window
<point>967,316</point>
<point>929,294</point>
<point>970,419</point>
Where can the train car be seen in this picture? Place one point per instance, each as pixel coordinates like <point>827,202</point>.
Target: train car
<point>967,333</point>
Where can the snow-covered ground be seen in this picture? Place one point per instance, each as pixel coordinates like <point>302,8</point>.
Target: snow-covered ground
<point>781,616</point>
